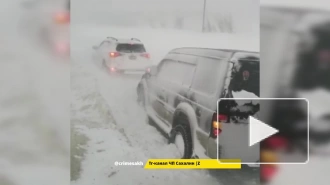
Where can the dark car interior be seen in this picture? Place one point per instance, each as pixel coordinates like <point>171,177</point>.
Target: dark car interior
<point>130,48</point>
<point>245,77</point>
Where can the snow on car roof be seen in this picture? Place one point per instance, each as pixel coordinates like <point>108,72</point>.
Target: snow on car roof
<point>322,5</point>
<point>211,52</point>
<point>242,55</point>
<point>129,41</point>
<point>124,40</point>
<point>198,49</point>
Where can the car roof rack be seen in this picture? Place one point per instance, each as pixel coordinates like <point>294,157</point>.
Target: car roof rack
<point>113,38</point>
<point>136,39</point>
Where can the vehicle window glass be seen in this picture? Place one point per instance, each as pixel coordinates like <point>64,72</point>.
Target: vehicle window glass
<point>163,69</point>
<point>246,75</point>
<point>176,72</point>
<point>130,48</point>
<point>205,80</point>
<point>188,72</point>
<point>182,73</point>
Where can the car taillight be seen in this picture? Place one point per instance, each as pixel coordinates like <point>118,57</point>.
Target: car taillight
<point>62,48</point>
<point>62,18</point>
<point>267,172</point>
<point>146,55</point>
<point>276,142</point>
<point>217,124</point>
<point>114,54</point>
<point>222,117</point>
<point>112,69</point>
<point>268,156</point>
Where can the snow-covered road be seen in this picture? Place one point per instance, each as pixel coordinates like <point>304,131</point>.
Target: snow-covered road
<point>108,125</point>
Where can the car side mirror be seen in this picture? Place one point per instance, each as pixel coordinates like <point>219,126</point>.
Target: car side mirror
<point>94,47</point>
<point>153,71</point>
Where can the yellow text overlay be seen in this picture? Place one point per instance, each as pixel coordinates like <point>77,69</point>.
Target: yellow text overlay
<point>192,164</point>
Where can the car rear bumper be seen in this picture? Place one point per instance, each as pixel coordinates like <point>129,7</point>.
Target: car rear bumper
<point>124,65</point>
<point>213,154</point>
<point>228,150</point>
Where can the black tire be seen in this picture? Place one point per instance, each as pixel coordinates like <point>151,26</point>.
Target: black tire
<point>183,129</point>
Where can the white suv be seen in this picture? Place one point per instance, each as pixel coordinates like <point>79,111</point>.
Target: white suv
<point>120,55</point>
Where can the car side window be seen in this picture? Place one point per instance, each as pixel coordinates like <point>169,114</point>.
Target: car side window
<point>246,75</point>
<point>163,69</point>
<point>176,72</point>
<point>206,75</point>
<point>188,74</point>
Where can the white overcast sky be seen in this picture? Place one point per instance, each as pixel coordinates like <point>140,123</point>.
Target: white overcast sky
<point>245,12</point>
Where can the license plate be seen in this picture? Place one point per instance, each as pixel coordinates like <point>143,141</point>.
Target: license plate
<point>132,57</point>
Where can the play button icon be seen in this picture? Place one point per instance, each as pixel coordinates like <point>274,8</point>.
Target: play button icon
<point>251,127</point>
<point>259,131</point>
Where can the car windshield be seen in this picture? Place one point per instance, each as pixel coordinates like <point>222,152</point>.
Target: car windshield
<point>130,48</point>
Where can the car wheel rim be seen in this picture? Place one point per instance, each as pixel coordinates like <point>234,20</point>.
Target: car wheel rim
<point>179,143</point>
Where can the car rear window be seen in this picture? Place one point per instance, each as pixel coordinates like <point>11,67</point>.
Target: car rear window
<point>130,48</point>
<point>246,75</point>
